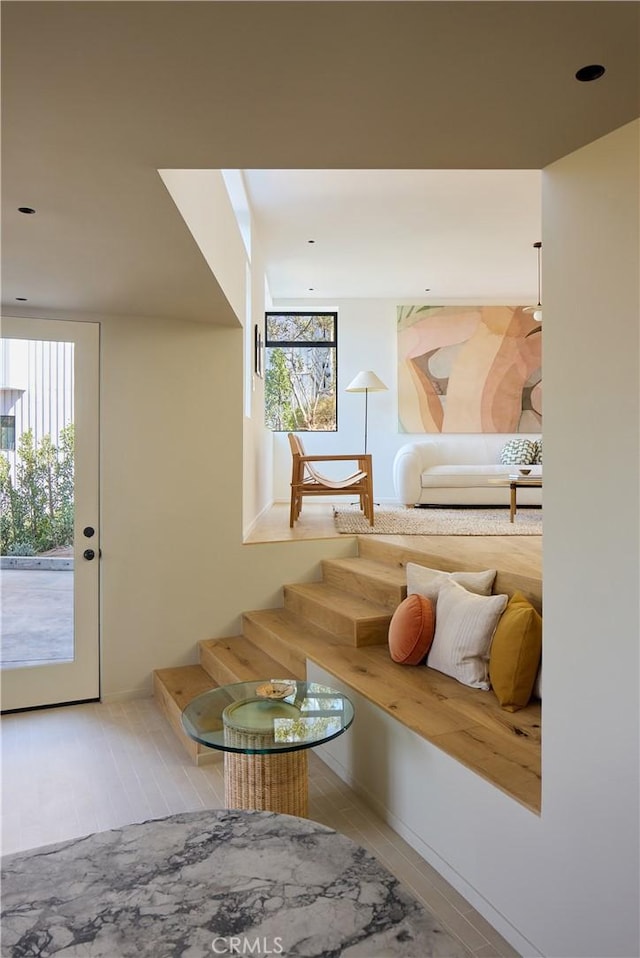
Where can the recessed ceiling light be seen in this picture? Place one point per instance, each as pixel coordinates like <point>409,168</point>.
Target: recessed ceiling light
<point>593,71</point>
<point>428,290</point>
<point>21,299</point>
<point>26,209</point>
<point>312,289</point>
<point>310,241</point>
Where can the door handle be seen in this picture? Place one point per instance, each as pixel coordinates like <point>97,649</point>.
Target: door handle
<point>89,554</point>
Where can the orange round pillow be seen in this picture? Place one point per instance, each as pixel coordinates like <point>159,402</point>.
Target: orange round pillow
<point>411,630</point>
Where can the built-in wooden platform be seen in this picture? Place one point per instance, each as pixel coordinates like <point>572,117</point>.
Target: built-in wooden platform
<point>341,624</point>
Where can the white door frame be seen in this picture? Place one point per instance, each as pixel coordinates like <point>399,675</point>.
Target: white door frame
<point>78,680</point>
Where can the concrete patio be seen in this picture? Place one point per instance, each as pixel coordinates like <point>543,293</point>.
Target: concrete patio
<point>36,617</point>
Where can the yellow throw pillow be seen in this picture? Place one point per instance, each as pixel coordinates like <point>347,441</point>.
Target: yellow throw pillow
<point>515,653</point>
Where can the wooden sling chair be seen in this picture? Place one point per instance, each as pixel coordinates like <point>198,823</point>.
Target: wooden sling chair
<point>306,481</point>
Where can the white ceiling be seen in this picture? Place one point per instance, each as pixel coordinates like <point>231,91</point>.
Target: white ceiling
<point>465,235</point>
<point>97,97</point>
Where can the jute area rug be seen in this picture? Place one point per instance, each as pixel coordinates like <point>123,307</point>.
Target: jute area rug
<point>439,522</point>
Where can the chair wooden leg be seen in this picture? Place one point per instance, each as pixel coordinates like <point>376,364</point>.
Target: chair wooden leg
<point>370,500</point>
<point>292,510</point>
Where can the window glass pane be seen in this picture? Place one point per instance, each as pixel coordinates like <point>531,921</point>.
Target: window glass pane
<point>8,432</point>
<point>300,380</point>
<point>301,327</point>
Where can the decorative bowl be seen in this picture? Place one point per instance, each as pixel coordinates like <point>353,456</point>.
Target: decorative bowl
<point>524,472</point>
<point>275,690</point>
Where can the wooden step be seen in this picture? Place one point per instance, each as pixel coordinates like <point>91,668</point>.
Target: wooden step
<point>378,549</point>
<point>385,550</point>
<point>376,581</point>
<point>350,617</point>
<point>287,637</point>
<point>238,659</point>
<point>173,689</point>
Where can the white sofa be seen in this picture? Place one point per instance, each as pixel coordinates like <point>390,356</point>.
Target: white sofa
<point>459,469</point>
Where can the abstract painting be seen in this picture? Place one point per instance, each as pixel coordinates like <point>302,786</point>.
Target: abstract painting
<point>469,369</point>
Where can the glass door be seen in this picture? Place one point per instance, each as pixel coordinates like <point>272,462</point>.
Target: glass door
<point>49,534</point>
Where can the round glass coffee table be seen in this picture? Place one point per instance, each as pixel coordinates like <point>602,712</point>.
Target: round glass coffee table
<point>264,729</point>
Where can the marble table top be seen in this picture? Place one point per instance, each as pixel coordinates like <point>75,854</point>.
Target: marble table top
<point>217,882</point>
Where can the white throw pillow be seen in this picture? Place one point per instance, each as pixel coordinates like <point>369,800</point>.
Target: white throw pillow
<point>422,580</point>
<point>465,624</point>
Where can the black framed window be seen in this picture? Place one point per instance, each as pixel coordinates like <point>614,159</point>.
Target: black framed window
<point>301,362</point>
<point>8,433</point>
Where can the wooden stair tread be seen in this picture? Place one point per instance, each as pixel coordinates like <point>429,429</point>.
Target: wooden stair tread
<point>383,549</point>
<point>288,637</point>
<point>295,630</point>
<point>371,567</point>
<point>359,620</point>
<point>173,689</point>
<point>373,580</point>
<point>345,603</point>
<point>185,682</point>
<point>237,659</point>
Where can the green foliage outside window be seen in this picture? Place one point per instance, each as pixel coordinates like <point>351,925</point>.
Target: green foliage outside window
<point>300,376</point>
<point>36,510</point>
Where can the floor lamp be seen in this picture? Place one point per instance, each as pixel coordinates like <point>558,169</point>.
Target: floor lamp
<point>366,382</point>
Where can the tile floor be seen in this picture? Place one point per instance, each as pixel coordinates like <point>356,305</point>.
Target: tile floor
<point>70,771</point>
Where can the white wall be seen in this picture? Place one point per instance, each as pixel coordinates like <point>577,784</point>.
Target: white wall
<point>204,203</point>
<point>592,573</point>
<point>174,569</point>
<point>258,440</point>
<point>457,821</point>
<point>565,883</point>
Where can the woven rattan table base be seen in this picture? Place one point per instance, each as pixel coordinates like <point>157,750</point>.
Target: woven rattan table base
<point>273,782</point>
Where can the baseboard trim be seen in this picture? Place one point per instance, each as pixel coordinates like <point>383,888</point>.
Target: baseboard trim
<point>247,532</point>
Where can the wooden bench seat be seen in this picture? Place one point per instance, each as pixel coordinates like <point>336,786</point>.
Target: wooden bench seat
<point>468,724</point>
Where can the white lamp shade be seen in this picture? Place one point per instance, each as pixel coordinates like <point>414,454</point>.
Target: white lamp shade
<point>365,381</point>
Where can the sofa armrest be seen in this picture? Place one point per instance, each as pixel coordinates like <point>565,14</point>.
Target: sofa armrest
<point>407,472</point>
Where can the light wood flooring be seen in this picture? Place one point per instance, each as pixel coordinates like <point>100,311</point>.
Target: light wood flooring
<point>71,771</point>
<point>521,554</point>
